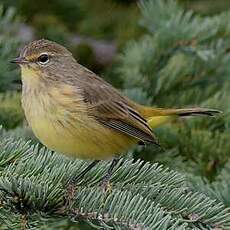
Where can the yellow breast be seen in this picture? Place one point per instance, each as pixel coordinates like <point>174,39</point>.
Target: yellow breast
<point>60,121</point>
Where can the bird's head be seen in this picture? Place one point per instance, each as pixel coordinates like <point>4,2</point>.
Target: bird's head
<point>44,58</point>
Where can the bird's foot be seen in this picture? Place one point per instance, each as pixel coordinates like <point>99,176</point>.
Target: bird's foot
<point>71,186</point>
<point>105,183</point>
<point>106,186</point>
<point>69,196</point>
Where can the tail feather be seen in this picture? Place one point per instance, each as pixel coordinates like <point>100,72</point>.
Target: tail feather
<point>196,112</point>
<point>148,112</point>
<point>158,116</point>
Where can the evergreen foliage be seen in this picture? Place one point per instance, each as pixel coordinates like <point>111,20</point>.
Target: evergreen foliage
<point>182,60</point>
<point>144,196</point>
<point>11,114</point>
<point>8,46</point>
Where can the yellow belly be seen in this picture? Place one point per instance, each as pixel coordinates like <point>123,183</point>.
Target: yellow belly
<point>86,141</point>
<point>79,136</point>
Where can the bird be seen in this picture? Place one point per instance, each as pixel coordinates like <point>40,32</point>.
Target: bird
<point>73,111</point>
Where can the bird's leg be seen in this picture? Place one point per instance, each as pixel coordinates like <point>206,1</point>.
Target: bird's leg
<point>82,174</point>
<point>105,185</point>
<point>70,191</point>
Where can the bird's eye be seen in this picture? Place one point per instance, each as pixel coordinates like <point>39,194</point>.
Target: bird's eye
<point>43,59</point>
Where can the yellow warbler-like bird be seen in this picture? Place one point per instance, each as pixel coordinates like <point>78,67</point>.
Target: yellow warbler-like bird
<point>73,111</point>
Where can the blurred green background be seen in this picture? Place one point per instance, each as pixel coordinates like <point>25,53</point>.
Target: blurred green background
<point>156,56</point>
<point>95,31</point>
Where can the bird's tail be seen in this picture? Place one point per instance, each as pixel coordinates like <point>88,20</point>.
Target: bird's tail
<point>157,117</point>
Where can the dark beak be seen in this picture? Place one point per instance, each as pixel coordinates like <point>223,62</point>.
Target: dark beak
<point>19,60</point>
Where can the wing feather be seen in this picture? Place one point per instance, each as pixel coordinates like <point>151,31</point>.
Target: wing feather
<point>113,110</point>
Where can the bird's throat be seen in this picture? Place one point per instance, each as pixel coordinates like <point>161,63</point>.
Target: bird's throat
<point>30,77</point>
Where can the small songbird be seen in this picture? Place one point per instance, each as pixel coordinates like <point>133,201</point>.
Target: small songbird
<point>73,111</point>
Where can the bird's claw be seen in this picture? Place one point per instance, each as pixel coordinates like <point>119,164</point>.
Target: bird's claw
<point>106,186</point>
<point>69,196</point>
